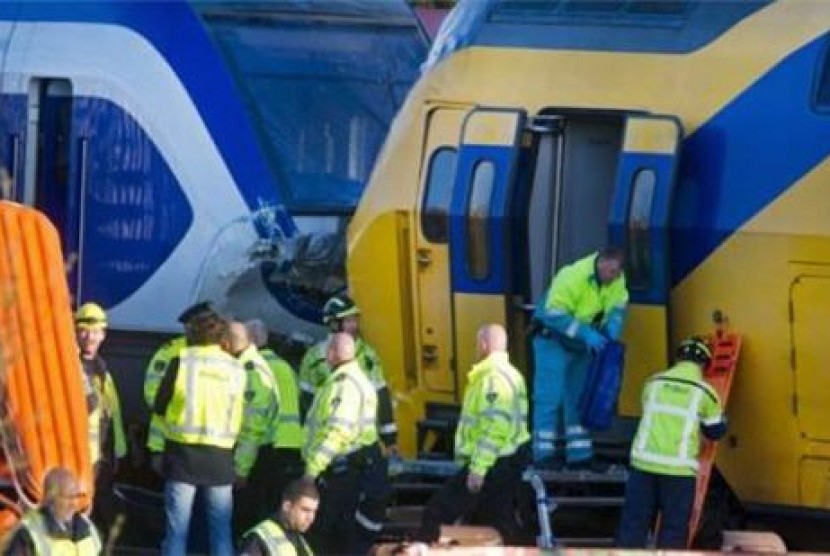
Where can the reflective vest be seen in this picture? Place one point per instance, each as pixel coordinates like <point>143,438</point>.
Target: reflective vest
<point>109,409</point>
<point>341,419</point>
<point>206,406</point>
<point>493,420</point>
<point>259,410</point>
<point>287,432</point>
<point>675,403</point>
<point>575,298</point>
<point>152,379</point>
<point>314,370</point>
<point>35,524</point>
<point>270,533</point>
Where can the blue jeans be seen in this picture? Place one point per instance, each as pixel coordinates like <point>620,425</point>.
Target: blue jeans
<point>178,507</point>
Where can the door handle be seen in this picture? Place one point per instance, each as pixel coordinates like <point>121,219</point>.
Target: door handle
<point>429,353</point>
<point>424,257</point>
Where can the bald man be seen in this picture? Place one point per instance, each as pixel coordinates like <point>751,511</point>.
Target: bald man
<point>341,443</point>
<point>57,527</point>
<point>491,443</point>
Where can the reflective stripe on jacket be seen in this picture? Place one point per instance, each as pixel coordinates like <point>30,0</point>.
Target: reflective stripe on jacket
<point>108,409</point>
<point>493,419</point>
<point>341,419</point>
<point>272,537</point>
<point>287,431</point>
<point>34,523</point>
<point>152,378</point>
<point>314,370</point>
<point>675,403</point>
<point>206,404</point>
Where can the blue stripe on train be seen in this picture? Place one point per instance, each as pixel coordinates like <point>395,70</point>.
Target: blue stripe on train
<point>746,156</point>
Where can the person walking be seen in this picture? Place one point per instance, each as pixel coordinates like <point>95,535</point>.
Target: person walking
<point>677,403</point>
<point>583,308</point>
<point>341,443</point>
<point>492,444</point>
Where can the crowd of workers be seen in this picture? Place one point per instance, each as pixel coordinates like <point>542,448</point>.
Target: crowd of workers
<point>232,421</point>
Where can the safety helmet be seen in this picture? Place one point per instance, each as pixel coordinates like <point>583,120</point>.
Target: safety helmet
<point>90,316</point>
<point>339,307</point>
<point>695,349</point>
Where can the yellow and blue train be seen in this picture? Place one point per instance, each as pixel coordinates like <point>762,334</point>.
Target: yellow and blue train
<point>696,133</point>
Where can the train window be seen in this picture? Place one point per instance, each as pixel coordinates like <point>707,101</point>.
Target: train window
<point>435,211</point>
<point>478,211</point>
<point>639,220</point>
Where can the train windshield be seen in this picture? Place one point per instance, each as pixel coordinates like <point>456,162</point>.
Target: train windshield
<point>321,82</point>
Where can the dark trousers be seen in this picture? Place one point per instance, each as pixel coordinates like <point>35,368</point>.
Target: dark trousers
<point>272,471</point>
<point>646,494</point>
<point>105,506</point>
<point>333,531</point>
<point>375,496</point>
<point>494,505</point>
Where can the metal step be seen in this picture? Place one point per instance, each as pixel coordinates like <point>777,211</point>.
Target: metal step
<point>614,474</point>
<point>588,501</point>
<point>584,542</point>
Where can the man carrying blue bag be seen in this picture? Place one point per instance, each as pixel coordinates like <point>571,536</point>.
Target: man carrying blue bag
<point>582,310</point>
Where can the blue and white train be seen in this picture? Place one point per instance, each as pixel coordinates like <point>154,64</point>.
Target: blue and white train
<point>191,150</point>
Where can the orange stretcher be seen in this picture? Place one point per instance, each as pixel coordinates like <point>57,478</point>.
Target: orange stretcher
<point>726,348</point>
<point>43,415</point>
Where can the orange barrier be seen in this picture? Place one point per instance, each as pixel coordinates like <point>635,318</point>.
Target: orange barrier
<point>44,412</point>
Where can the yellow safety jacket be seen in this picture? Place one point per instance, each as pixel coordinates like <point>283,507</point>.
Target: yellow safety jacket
<point>575,298</point>
<point>34,522</point>
<point>341,419</point>
<point>314,370</point>
<point>260,410</point>
<point>152,380</point>
<point>109,409</point>
<point>270,533</point>
<point>206,406</point>
<point>288,431</point>
<point>675,404</point>
<point>493,420</point>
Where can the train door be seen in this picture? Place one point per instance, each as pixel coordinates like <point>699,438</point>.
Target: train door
<point>435,311</point>
<point>810,351</point>
<point>639,220</point>
<point>48,183</point>
<point>480,254</point>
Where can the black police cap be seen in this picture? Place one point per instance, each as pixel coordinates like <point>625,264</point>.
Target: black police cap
<point>203,308</point>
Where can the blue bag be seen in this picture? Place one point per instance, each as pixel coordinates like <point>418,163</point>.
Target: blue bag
<point>598,402</point>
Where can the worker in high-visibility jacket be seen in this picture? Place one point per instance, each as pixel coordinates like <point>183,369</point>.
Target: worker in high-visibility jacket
<point>260,411</point>
<point>678,404</point>
<point>492,444</point>
<point>158,365</point>
<point>201,400</point>
<point>282,534</point>
<point>280,461</point>
<point>341,314</point>
<point>582,310</point>
<point>107,440</point>
<point>57,527</point>
<point>341,443</point>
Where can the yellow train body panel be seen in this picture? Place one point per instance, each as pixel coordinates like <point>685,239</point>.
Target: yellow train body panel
<point>768,268</point>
